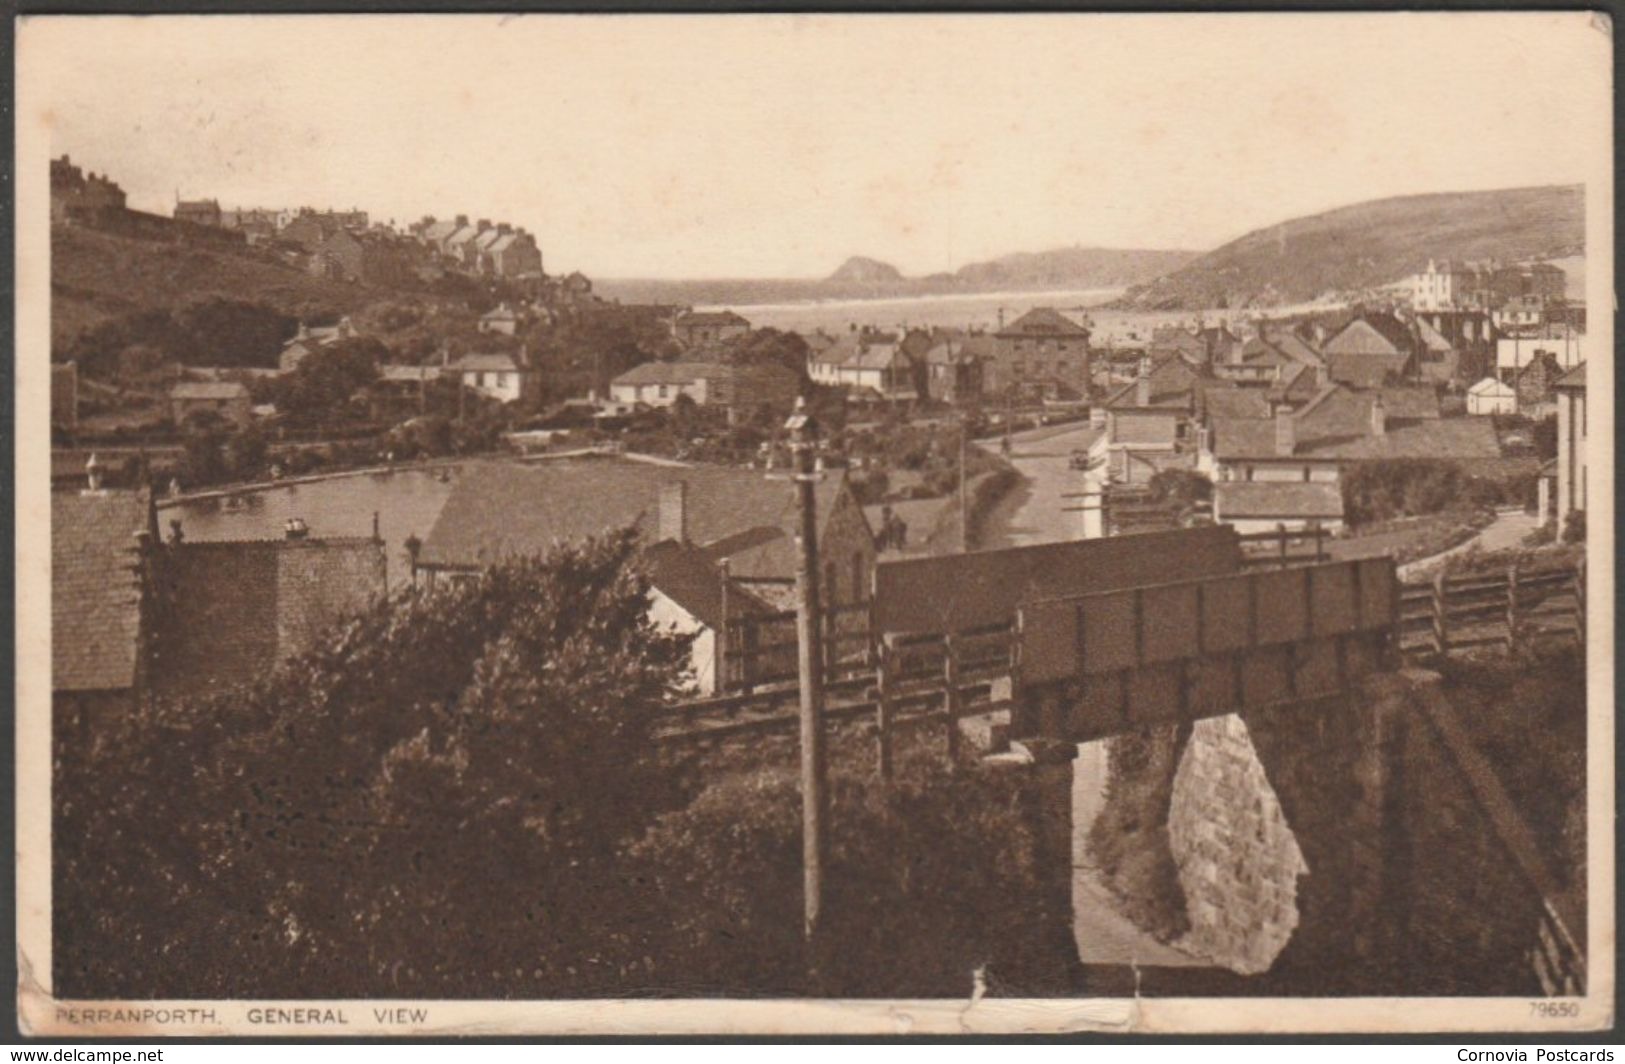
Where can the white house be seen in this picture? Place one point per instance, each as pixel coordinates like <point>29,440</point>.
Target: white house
<point>1268,506</point>
<point>1490,396</point>
<point>866,361</point>
<point>660,383</point>
<point>495,375</point>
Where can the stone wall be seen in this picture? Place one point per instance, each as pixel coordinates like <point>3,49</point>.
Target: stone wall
<point>1238,860</point>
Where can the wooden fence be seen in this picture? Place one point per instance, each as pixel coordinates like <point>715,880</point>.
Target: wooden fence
<point>1499,610</point>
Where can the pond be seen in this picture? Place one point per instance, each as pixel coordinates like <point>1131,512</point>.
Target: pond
<point>407,502</point>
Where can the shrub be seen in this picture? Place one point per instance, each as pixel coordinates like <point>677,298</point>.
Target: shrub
<point>1574,527</point>
<point>928,880</point>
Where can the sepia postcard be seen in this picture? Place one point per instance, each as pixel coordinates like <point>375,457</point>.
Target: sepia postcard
<point>817,524</point>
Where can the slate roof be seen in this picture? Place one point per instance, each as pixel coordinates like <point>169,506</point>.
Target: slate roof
<point>1238,402</point>
<point>213,390</point>
<point>499,510</point>
<point>689,577</point>
<point>486,363</point>
<point>1173,386</point>
<point>1574,379</point>
<point>1337,425</point>
<point>1269,499</point>
<point>1392,334</point>
<point>1365,369</point>
<point>95,596</point>
<point>1044,321</point>
<point>669,373</point>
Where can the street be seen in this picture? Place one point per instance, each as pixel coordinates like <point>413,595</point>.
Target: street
<point>1035,512</point>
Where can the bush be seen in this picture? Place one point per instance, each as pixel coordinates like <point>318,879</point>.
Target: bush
<point>431,802</point>
<point>1574,527</point>
<point>928,881</point>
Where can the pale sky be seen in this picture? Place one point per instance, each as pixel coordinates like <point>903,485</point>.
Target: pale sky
<point>775,146</point>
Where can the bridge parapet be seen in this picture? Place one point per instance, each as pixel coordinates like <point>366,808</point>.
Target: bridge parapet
<point>1094,665</point>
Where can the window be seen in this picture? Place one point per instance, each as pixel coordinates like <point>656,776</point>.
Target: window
<point>662,391</point>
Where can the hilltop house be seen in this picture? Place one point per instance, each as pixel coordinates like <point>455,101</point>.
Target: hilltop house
<point>500,319</point>
<point>698,328</point>
<point>310,339</point>
<point>1041,355</point>
<point>198,212</point>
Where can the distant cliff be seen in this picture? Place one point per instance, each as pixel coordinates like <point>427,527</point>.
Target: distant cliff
<point>1372,244</point>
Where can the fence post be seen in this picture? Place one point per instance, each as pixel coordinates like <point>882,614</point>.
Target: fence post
<point>1580,600</point>
<point>1512,607</point>
<point>1441,617</point>
<point>1320,543</point>
<point>1282,529</point>
<point>883,716</point>
<point>950,694</point>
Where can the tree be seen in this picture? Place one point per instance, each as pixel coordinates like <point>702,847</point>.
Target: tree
<point>319,389</point>
<point>432,801</point>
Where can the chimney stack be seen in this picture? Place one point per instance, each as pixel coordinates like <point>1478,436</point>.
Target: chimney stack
<point>674,511</point>
<point>1379,416</point>
<point>1142,383</point>
<point>462,221</point>
<point>1286,432</point>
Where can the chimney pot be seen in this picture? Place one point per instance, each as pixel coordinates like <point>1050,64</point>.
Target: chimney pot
<point>1286,432</point>
<point>674,511</point>
<point>1379,416</point>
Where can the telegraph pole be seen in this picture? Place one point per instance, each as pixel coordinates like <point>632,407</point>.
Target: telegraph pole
<point>809,638</point>
<point>964,525</point>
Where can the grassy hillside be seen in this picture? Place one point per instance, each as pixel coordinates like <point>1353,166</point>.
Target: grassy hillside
<point>1373,244</point>
<point>98,276</point>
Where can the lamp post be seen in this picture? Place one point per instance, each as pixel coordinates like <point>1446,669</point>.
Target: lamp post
<point>803,430</point>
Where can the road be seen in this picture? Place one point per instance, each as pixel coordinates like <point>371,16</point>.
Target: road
<point>1506,532</point>
<point>1035,512</point>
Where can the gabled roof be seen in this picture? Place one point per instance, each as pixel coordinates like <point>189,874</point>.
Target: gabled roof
<point>499,510</point>
<point>486,363</point>
<point>462,236</point>
<point>1259,499</point>
<point>439,230</point>
<point>95,596</point>
<point>1491,386</point>
<point>678,373</point>
<point>1573,380</point>
<point>500,312</point>
<point>1237,402</point>
<point>1173,386</point>
<point>1366,369</point>
<point>1372,333</point>
<point>1337,424</point>
<point>1044,321</point>
<point>688,576</point>
<point>212,390</point>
